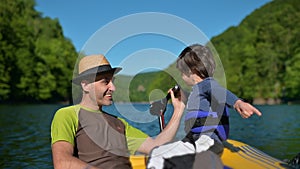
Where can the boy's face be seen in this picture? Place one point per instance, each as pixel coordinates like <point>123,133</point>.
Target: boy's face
<point>187,79</point>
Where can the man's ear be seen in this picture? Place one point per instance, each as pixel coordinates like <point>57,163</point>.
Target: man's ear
<point>85,85</point>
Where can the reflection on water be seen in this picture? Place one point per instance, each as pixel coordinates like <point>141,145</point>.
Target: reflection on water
<point>25,136</point>
<point>25,131</point>
<point>277,132</point>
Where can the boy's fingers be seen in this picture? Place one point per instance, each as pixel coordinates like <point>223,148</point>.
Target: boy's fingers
<point>258,113</point>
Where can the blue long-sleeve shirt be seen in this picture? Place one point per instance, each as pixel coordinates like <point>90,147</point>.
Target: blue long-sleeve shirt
<point>208,95</point>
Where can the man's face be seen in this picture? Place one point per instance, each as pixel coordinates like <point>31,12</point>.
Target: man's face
<point>101,90</point>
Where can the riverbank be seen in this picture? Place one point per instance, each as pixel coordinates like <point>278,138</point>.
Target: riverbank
<point>271,101</point>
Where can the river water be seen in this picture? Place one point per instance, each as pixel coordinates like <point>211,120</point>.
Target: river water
<point>25,131</point>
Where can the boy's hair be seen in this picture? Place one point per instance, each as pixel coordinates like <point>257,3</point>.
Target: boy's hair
<point>196,59</point>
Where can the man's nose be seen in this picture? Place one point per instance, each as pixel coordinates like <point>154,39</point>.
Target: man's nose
<point>112,87</point>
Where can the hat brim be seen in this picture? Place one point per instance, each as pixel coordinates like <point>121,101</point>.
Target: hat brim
<point>93,72</point>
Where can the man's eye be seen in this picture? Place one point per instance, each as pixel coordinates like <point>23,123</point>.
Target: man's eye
<point>106,81</point>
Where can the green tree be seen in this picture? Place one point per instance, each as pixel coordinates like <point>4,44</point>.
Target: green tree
<point>259,55</point>
<point>36,59</point>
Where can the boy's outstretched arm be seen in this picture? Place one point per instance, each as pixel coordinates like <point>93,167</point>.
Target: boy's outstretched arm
<point>245,109</point>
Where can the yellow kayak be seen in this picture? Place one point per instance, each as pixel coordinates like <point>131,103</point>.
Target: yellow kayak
<point>246,157</point>
<point>236,155</point>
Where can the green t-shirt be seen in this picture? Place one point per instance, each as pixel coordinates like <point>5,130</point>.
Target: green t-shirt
<point>68,121</point>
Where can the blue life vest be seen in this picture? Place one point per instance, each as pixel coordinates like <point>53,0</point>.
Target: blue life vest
<point>199,122</point>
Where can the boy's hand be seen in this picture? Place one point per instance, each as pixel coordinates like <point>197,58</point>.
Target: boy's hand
<point>245,109</point>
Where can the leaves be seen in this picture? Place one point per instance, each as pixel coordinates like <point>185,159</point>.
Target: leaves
<point>36,59</point>
<point>260,55</point>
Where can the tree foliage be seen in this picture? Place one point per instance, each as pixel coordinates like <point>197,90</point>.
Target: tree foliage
<point>36,60</point>
<point>260,55</point>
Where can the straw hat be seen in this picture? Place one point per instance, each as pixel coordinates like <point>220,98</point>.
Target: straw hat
<point>91,66</point>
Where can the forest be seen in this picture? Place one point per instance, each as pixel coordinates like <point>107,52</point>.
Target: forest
<point>261,57</point>
<point>36,60</point>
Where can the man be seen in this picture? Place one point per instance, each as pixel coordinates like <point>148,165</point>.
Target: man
<point>84,136</point>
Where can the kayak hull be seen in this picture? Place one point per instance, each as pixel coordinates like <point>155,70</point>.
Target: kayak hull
<point>236,155</point>
<point>245,156</point>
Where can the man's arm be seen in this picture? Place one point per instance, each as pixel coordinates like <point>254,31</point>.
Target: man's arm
<point>169,132</point>
<point>62,154</point>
